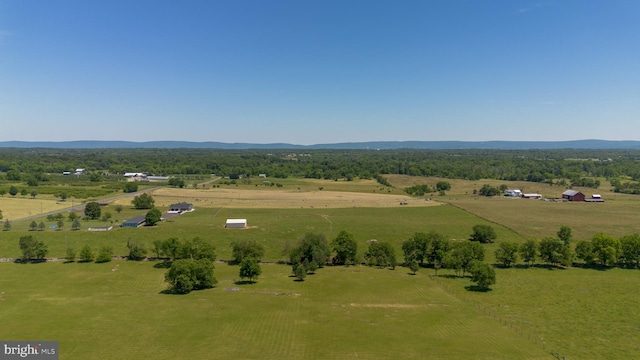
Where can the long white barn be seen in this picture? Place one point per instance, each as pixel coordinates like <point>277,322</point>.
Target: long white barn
<point>236,224</point>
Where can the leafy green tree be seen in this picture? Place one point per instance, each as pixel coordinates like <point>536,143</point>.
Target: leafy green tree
<point>171,247</point>
<point>13,191</point>
<point>95,177</point>
<point>630,250</point>
<point>72,216</point>
<point>606,249</point>
<point>443,186</point>
<point>346,248</point>
<point>186,275</point>
<point>381,254</point>
<point>32,249</point>
<point>198,249</point>
<point>92,210</point>
<point>250,268</point>
<point>143,201</point>
<point>60,224</point>
<point>157,248</point>
<point>86,254</point>
<point>14,175</point>
<point>564,234</point>
<point>7,225</point>
<point>437,254</point>
<point>507,253</point>
<point>33,226</point>
<point>482,274</point>
<point>105,254</point>
<point>63,196</point>
<point>529,251</point>
<point>488,190</point>
<point>137,250</point>
<point>152,217</point>
<point>312,247</point>
<point>414,266</point>
<point>176,182</point>
<point>483,233</point>
<point>41,226</point>
<point>33,194</point>
<point>299,271</point>
<point>246,249</point>
<point>24,192</point>
<point>76,224</point>
<point>553,251</point>
<point>584,251</point>
<point>71,254</point>
<point>106,216</point>
<point>131,187</point>
<point>118,208</point>
<point>418,246</point>
<point>2,192</point>
<point>463,254</point>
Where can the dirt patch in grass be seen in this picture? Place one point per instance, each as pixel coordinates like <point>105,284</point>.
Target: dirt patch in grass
<point>247,199</point>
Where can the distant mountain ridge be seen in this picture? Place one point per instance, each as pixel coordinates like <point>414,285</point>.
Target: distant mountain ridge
<point>374,145</point>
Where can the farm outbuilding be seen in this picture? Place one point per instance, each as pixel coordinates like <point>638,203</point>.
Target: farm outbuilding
<point>134,222</point>
<point>532,196</point>
<point>513,193</point>
<point>236,224</point>
<point>573,195</point>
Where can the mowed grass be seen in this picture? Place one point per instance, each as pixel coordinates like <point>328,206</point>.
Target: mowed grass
<point>580,313</point>
<point>116,311</point>
<point>276,229</point>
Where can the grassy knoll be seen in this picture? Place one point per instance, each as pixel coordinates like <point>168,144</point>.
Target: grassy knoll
<point>580,313</point>
<point>275,228</point>
<point>115,310</point>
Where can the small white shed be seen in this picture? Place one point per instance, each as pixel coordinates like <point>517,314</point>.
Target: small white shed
<point>236,224</point>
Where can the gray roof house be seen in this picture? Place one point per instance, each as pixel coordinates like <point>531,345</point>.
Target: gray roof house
<point>134,222</point>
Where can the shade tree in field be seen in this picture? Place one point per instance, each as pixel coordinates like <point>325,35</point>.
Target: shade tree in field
<point>345,247</point>
<point>143,201</point>
<point>246,249</point>
<point>71,254</point>
<point>250,268</point>
<point>137,250</point>
<point>462,256</point>
<point>416,248</point>
<point>32,249</point>
<point>630,250</point>
<point>553,251</point>
<point>482,274</point>
<point>584,252</point>
<point>564,234</point>
<point>438,252</point>
<point>311,247</point>
<point>86,254</point>
<point>606,249</point>
<point>529,251</point>
<point>197,249</point>
<point>483,233</point>
<point>381,254</point>
<point>92,210</point>
<point>130,187</point>
<point>299,271</point>
<point>41,226</point>
<point>33,226</point>
<point>105,254</point>
<point>186,275</point>
<point>13,191</point>
<point>507,253</point>
<point>6,226</point>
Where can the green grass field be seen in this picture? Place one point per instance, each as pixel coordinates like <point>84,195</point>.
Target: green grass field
<point>98,312</point>
<point>116,310</point>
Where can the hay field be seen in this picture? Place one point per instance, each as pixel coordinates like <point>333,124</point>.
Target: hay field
<point>281,199</point>
<point>20,207</point>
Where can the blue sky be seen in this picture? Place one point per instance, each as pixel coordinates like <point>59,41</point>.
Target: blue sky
<point>308,72</point>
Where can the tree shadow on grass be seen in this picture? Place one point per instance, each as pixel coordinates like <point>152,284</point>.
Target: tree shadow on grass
<point>29,261</point>
<point>594,267</point>
<point>245,282</point>
<point>163,265</point>
<point>69,261</point>
<point>477,288</point>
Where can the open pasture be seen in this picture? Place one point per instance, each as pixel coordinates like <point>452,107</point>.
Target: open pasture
<point>281,199</point>
<point>274,228</point>
<point>116,310</point>
<point>307,184</point>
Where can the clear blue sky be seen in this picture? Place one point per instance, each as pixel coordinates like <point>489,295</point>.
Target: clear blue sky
<point>308,72</point>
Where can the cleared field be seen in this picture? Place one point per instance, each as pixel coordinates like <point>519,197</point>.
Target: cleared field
<point>115,310</point>
<point>19,207</point>
<point>282,199</point>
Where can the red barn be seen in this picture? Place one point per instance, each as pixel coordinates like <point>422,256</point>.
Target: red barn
<point>573,195</point>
